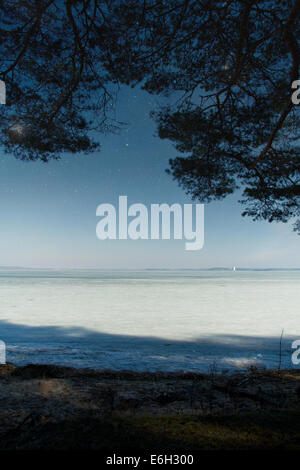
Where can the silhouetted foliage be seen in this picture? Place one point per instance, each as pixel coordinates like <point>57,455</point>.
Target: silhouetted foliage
<point>229,65</point>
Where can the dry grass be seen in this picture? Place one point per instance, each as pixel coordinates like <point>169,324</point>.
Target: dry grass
<point>46,407</point>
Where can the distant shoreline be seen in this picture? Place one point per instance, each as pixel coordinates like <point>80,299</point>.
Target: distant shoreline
<point>21,268</point>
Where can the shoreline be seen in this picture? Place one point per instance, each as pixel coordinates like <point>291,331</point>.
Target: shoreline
<point>46,406</point>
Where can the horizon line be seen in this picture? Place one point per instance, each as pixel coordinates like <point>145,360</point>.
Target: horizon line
<point>211,268</point>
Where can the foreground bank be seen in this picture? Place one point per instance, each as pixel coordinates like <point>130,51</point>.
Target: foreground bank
<point>49,407</point>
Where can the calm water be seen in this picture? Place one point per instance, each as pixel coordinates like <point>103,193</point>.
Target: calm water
<point>149,320</point>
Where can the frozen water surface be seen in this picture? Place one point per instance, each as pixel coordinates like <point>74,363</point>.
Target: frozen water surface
<point>150,320</point>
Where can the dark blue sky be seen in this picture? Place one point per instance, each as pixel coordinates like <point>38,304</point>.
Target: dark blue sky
<point>48,211</point>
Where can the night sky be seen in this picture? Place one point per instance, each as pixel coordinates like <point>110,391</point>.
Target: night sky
<point>48,211</point>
